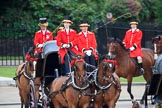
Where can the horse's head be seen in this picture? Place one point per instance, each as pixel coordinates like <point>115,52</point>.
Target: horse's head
<point>115,48</point>
<point>157,44</point>
<point>79,68</point>
<point>30,67</point>
<point>105,73</point>
<point>107,66</point>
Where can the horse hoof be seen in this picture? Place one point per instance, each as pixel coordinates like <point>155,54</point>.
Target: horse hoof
<point>153,101</point>
<point>135,105</point>
<point>141,102</point>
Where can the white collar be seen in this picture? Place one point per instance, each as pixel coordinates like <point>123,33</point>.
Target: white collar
<point>133,29</point>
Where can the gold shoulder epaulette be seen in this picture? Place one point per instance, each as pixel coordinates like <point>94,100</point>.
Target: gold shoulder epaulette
<point>90,32</point>
<point>130,30</point>
<point>137,30</point>
<point>62,30</point>
<point>39,31</point>
<point>71,29</point>
<point>48,31</point>
<point>80,33</point>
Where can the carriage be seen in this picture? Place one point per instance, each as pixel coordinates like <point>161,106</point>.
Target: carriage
<point>34,89</point>
<point>51,70</point>
<point>79,81</point>
<point>156,82</point>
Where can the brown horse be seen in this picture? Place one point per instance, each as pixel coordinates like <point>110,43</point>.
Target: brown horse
<point>127,66</point>
<point>23,74</point>
<point>107,81</point>
<point>69,91</point>
<point>157,45</point>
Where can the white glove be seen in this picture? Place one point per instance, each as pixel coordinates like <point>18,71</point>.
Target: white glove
<point>88,52</point>
<point>64,45</point>
<point>40,45</point>
<point>132,48</point>
<point>68,46</point>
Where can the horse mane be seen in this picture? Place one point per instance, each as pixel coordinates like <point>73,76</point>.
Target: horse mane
<point>156,38</point>
<point>117,40</point>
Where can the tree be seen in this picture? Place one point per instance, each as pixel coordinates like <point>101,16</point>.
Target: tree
<point>158,8</point>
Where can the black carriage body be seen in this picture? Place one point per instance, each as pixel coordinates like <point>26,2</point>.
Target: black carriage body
<point>51,61</point>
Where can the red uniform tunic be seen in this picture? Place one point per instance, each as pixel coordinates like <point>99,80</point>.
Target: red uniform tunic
<point>65,38</point>
<point>87,42</point>
<point>41,39</point>
<point>134,39</point>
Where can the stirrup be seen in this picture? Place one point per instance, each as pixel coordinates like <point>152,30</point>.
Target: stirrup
<point>141,70</point>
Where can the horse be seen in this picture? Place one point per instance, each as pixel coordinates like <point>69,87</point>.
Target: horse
<point>127,66</point>
<point>157,45</point>
<point>107,81</point>
<point>68,91</point>
<point>23,73</point>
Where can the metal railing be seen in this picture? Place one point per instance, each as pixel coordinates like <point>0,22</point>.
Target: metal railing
<point>13,41</point>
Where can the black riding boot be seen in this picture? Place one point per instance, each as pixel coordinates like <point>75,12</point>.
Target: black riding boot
<point>141,70</point>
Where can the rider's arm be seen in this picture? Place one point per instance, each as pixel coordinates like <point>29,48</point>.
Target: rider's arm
<point>36,39</point>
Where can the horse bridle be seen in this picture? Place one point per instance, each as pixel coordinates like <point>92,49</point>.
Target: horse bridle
<point>31,73</point>
<point>80,77</point>
<point>114,54</point>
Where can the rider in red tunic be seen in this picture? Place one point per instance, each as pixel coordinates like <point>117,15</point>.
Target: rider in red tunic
<point>132,41</point>
<point>66,40</point>
<point>87,44</point>
<point>41,37</point>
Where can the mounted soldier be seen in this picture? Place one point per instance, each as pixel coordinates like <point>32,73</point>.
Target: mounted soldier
<point>132,41</point>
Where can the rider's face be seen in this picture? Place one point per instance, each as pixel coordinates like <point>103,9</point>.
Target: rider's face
<point>133,26</point>
<point>43,27</point>
<point>84,28</point>
<point>67,24</point>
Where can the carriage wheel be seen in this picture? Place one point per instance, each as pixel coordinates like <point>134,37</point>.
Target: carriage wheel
<point>32,96</point>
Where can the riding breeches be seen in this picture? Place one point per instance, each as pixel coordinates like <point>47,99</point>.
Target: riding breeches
<point>67,63</point>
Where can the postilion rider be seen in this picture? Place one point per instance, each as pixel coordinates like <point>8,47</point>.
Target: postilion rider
<point>41,37</point>
<point>66,40</point>
<point>87,44</point>
<point>132,41</point>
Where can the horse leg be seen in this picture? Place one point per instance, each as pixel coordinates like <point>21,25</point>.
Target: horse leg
<point>146,91</point>
<point>129,88</point>
<point>56,104</point>
<point>22,104</point>
<point>37,83</point>
<point>111,104</point>
<point>143,97</point>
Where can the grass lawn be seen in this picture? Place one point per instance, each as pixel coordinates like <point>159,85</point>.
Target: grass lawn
<point>135,79</point>
<point>10,72</point>
<point>7,71</point>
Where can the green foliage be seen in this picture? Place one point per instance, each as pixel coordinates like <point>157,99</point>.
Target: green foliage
<point>158,8</point>
<point>23,15</point>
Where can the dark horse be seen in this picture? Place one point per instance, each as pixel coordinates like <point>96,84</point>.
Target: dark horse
<point>157,45</point>
<point>107,81</point>
<point>69,91</point>
<point>127,67</point>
